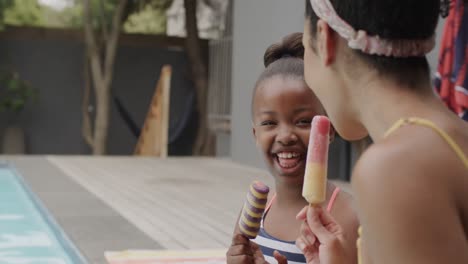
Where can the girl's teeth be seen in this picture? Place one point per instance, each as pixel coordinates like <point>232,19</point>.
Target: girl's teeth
<point>288,155</point>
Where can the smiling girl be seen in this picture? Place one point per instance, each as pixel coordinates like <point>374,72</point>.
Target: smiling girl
<point>283,107</point>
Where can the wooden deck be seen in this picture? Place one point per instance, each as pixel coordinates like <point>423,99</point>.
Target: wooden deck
<point>180,203</point>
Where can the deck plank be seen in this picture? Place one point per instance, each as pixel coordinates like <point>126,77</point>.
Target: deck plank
<point>181,203</point>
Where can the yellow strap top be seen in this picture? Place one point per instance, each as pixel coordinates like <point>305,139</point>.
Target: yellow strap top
<point>427,123</point>
<point>421,122</point>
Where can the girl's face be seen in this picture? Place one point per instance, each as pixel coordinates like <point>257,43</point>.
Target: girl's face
<point>283,109</point>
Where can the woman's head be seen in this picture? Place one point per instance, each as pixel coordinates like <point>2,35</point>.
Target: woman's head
<point>333,65</point>
<point>282,109</point>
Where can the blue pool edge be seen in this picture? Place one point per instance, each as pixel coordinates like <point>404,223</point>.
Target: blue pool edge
<point>73,252</point>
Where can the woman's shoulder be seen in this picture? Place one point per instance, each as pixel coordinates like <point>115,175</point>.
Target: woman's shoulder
<point>401,174</point>
<point>400,181</point>
<point>409,158</point>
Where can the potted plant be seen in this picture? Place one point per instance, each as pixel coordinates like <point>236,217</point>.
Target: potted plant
<point>15,93</point>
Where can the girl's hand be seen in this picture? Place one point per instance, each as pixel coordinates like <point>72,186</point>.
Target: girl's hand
<point>244,251</point>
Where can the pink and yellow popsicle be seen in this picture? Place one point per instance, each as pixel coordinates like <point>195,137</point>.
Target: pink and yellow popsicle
<point>254,206</point>
<point>315,178</point>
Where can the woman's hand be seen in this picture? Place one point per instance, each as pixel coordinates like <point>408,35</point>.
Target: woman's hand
<point>322,239</point>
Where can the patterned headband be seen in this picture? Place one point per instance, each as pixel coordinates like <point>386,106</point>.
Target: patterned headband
<point>373,45</point>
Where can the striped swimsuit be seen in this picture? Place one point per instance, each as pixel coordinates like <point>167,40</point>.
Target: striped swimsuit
<point>269,244</point>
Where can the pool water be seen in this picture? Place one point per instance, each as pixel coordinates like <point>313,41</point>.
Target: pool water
<point>28,233</point>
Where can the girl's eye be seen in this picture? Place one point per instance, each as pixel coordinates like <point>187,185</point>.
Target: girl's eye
<point>304,122</point>
<point>268,123</point>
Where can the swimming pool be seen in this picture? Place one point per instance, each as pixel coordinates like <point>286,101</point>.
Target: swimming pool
<point>28,233</point>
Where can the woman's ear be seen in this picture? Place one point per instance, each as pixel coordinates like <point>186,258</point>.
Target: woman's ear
<point>326,42</point>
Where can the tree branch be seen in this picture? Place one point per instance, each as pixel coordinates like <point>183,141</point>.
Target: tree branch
<point>204,141</point>
<point>88,25</point>
<point>102,16</point>
<point>86,126</point>
<point>91,44</point>
<point>112,43</point>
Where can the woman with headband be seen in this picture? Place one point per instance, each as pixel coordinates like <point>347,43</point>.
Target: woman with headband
<point>366,61</point>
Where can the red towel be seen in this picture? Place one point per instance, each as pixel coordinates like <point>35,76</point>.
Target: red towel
<point>451,81</point>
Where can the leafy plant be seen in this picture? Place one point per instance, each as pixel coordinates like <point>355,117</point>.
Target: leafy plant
<point>24,13</point>
<point>4,4</point>
<point>14,92</point>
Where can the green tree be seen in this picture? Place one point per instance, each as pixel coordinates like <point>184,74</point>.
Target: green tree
<point>102,23</point>
<point>70,17</point>
<point>24,13</point>
<point>204,143</point>
<point>139,16</point>
<point>148,20</point>
<point>5,4</point>
<point>101,48</point>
